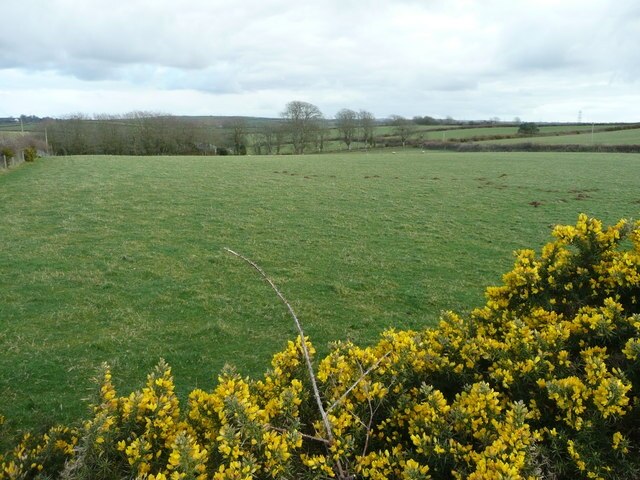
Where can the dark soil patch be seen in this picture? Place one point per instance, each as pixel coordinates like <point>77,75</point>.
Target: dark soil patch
<point>582,196</point>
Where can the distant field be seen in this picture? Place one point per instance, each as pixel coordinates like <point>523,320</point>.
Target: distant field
<point>120,259</point>
<point>473,132</point>
<point>617,137</point>
<point>389,130</point>
<point>9,134</point>
<point>29,127</point>
<point>573,128</point>
<point>456,134</point>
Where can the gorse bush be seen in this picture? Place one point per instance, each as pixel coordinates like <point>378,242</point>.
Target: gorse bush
<point>7,152</point>
<point>541,382</point>
<point>528,128</point>
<point>30,154</point>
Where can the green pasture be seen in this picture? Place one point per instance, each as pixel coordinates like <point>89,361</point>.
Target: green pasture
<point>451,132</point>
<point>15,128</point>
<point>121,260</point>
<point>615,137</point>
<point>465,133</point>
<point>472,132</point>
<point>384,130</point>
<point>545,129</point>
<point>6,134</point>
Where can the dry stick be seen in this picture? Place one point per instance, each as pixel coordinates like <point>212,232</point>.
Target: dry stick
<point>372,413</point>
<point>305,351</point>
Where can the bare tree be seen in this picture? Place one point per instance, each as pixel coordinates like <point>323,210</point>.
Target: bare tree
<point>302,120</point>
<point>150,132</point>
<point>321,132</point>
<point>366,122</point>
<point>110,134</point>
<point>69,136</point>
<point>256,143</point>
<point>402,127</point>
<point>239,136</point>
<point>279,133</point>
<point>268,138</point>
<point>347,124</point>
<point>133,133</point>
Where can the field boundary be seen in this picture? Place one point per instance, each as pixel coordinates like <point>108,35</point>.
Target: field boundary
<point>7,163</point>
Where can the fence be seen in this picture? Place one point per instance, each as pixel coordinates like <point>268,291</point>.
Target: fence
<point>6,163</point>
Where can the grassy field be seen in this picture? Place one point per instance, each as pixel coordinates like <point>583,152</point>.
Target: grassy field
<point>451,132</point>
<point>9,135</point>
<point>574,128</point>
<point>15,128</point>
<point>472,132</point>
<point>616,137</point>
<point>120,259</point>
<point>459,134</point>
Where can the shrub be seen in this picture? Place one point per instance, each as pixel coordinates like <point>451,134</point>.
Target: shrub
<point>30,154</point>
<point>7,152</point>
<point>541,382</point>
<point>528,128</point>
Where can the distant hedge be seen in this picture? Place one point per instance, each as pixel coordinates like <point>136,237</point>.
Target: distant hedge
<point>541,382</point>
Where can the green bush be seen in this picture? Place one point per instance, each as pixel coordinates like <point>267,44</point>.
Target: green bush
<point>541,382</point>
<point>30,154</point>
<point>528,128</point>
<point>7,152</point>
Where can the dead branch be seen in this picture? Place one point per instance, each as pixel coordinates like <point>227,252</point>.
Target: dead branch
<point>305,352</point>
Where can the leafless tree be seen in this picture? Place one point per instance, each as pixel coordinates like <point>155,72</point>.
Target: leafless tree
<point>268,138</point>
<point>402,127</point>
<point>111,134</point>
<point>321,132</point>
<point>347,124</point>
<point>70,135</point>
<point>366,122</point>
<point>239,136</point>
<point>302,120</point>
<point>279,134</point>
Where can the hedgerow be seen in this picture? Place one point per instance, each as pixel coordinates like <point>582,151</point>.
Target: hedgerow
<point>541,382</point>
<point>471,145</point>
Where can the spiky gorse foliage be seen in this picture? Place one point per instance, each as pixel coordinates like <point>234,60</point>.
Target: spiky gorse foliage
<point>539,383</point>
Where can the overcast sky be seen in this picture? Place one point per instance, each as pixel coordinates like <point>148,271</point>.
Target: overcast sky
<point>541,60</point>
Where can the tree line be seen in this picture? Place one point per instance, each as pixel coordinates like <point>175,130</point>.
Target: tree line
<point>301,128</point>
<point>135,133</point>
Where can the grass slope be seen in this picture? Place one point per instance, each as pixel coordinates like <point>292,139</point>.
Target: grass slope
<point>120,259</point>
<point>466,133</point>
<point>616,137</point>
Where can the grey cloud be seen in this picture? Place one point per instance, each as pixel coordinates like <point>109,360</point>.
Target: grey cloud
<point>425,57</point>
